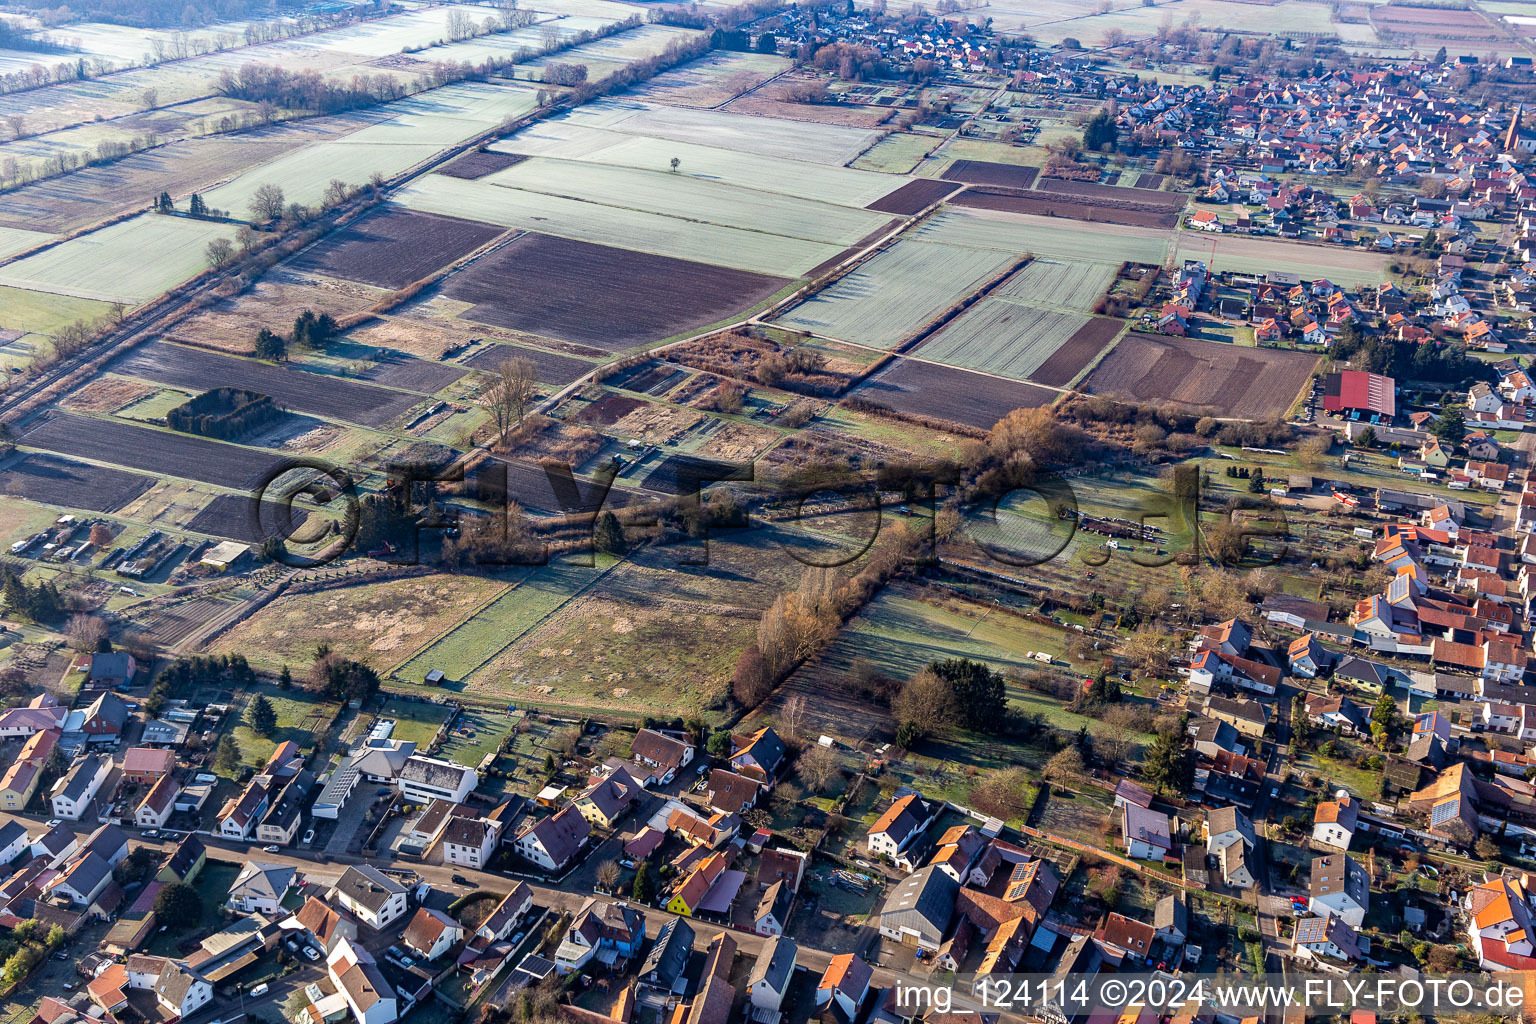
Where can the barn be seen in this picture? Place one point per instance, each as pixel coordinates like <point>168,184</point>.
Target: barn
<point>1355,394</point>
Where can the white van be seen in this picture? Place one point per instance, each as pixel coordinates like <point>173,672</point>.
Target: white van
<point>259,990</point>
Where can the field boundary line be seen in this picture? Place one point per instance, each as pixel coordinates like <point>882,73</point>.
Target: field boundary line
<point>476,610</point>
<point>1093,364</point>
<point>536,623</point>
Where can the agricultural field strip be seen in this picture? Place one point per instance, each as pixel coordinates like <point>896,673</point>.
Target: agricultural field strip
<point>1067,286</point>
<point>416,128</point>
<point>756,251</point>
<point>745,133</point>
<point>1347,266</point>
<point>564,140</point>
<point>1000,335</point>
<point>15,240</point>
<point>110,264</point>
<point>317,394</point>
<point>691,199</point>
<point>889,298</point>
<point>164,453</point>
<point>1046,236</point>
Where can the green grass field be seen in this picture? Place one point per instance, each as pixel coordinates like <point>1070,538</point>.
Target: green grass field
<point>298,720</point>
<point>213,885</point>
<point>415,722</point>
<point>45,312</point>
<point>478,732</point>
<point>897,153</point>
<point>108,264</point>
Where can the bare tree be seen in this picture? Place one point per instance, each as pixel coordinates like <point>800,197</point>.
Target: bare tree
<point>219,252</point>
<point>85,632</point>
<point>267,203</point>
<point>792,715</point>
<point>17,124</point>
<point>608,874</point>
<point>818,767</point>
<point>508,398</point>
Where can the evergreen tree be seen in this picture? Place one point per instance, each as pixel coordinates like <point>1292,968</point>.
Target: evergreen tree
<point>227,760</point>
<point>270,345</point>
<point>644,888</point>
<point>1167,763</point>
<point>262,716</point>
<point>608,535</point>
<point>1099,133</point>
<point>198,207</point>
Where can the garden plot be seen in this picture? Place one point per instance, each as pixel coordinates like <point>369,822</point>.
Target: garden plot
<point>891,297</point>
<point>549,367</point>
<point>694,198</point>
<point>238,517</point>
<point>763,136</point>
<point>565,140</point>
<point>1001,336</point>
<point>713,79</point>
<point>378,623</point>
<point>131,261</point>
<point>1059,284</point>
<point>607,225</point>
<point>1047,236</point>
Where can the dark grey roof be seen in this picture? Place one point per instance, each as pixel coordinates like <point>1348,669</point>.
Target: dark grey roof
<point>431,772</point>
<point>1363,670</point>
<point>367,886</point>
<point>1171,912</point>
<point>174,981</point>
<point>10,832</point>
<point>776,900</point>
<point>775,963</point>
<point>670,953</point>
<point>923,901</point>
<point>80,776</point>
<point>186,855</point>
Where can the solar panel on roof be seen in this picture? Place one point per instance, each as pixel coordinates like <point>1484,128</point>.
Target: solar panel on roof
<point>1445,811</point>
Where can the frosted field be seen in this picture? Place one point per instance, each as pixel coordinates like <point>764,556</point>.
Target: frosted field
<point>676,195</point>
<point>1002,336</point>
<point>620,48</point>
<point>560,138</point>
<point>1048,236</point>
<point>115,264</point>
<point>1058,284</point>
<point>423,125</point>
<point>608,225</point>
<point>446,116</point>
<point>505,45</point>
<point>744,133</point>
<point>1053,20</point>
<point>384,36</point>
<point>304,174</point>
<point>890,298</point>
<point>708,81</point>
<point>14,240</point>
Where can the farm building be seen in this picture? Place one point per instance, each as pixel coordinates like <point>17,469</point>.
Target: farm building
<point>1359,395</point>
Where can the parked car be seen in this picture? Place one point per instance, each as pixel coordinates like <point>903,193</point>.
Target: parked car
<point>310,953</point>
<point>269,849</point>
<point>259,990</point>
<point>151,834</point>
<point>54,823</point>
<point>460,880</point>
<point>309,837</point>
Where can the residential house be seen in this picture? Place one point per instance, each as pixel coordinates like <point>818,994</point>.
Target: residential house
<point>261,888</point>
<point>1339,887</point>
<point>1334,822</point>
<point>147,765</point>
<point>773,909</point>
<point>758,755</point>
<point>432,933</point>
<point>1328,941</point>
<point>469,841</point>
<point>903,822</point>
<point>608,931</point>
<point>424,779</point>
<point>775,967</point>
<point>844,985</point>
<point>662,751</point>
<point>551,842</point>
<point>73,793</point>
<point>181,991</point>
<point>605,801</point>
<point>158,804</point>
<point>371,896</point>
<point>1146,833</point>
